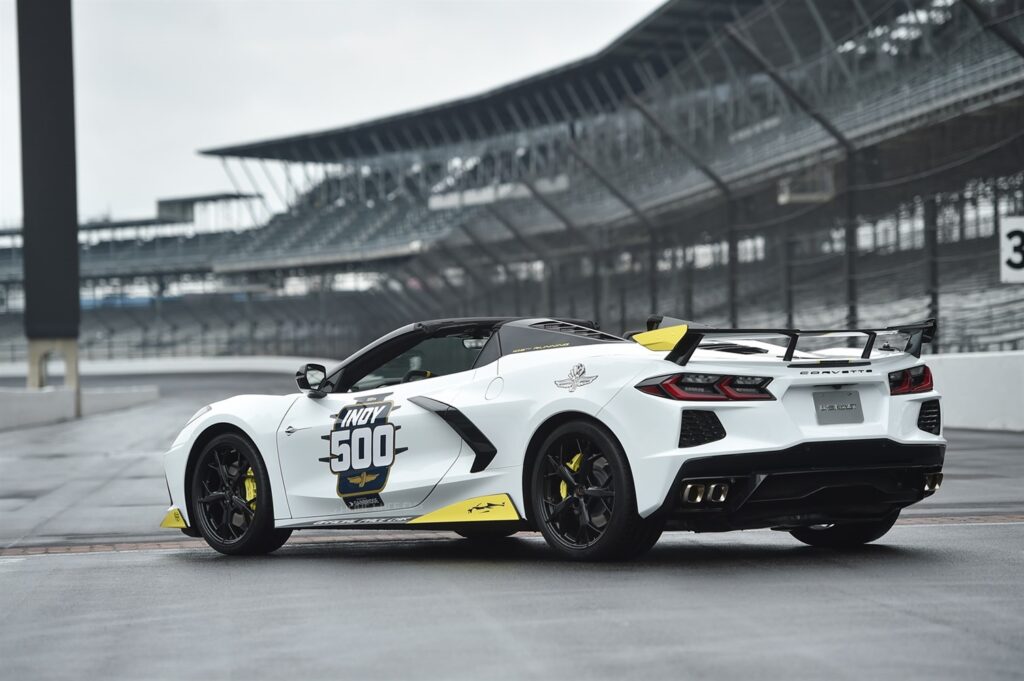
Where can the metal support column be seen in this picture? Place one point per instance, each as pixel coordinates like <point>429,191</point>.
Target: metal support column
<point>786,253</point>
<point>931,253</point>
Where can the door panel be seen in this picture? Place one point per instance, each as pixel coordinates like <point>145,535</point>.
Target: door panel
<point>371,451</point>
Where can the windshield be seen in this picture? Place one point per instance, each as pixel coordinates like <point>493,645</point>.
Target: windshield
<point>431,357</point>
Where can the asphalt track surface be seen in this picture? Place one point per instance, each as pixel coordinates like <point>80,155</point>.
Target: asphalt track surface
<point>89,589</point>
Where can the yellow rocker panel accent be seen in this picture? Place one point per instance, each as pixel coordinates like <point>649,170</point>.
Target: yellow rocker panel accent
<point>478,509</point>
<point>174,519</point>
<point>661,339</point>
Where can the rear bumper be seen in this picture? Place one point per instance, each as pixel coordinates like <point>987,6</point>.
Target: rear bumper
<point>811,483</point>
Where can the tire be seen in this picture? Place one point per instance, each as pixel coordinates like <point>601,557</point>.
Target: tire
<point>485,534</point>
<point>845,535</point>
<point>232,507</point>
<point>586,507</point>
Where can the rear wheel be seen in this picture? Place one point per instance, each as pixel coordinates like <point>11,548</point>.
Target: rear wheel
<point>583,499</point>
<point>231,503</point>
<point>845,535</point>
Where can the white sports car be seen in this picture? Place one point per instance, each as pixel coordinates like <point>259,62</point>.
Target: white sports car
<point>488,426</point>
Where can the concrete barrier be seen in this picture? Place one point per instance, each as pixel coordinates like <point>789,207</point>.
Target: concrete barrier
<point>177,365</point>
<point>21,408</point>
<point>983,390</point>
<point>100,400</point>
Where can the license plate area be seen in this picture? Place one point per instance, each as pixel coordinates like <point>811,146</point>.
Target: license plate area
<point>837,407</point>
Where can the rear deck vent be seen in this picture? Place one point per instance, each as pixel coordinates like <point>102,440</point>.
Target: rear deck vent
<point>575,329</point>
<point>930,418</point>
<point>733,347</point>
<point>699,428</point>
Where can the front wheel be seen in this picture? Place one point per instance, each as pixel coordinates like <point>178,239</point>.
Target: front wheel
<point>845,535</point>
<point>583,499</point>
<point>231,502</point>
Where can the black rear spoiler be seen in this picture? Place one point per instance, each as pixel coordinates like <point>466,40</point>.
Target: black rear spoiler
<point>918,333</point>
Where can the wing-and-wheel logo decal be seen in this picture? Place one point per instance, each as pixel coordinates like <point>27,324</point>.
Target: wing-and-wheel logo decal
<point>577,379</point>
<point>362,450</point>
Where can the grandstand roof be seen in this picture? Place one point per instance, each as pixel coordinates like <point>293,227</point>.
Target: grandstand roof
<point>663,39</point>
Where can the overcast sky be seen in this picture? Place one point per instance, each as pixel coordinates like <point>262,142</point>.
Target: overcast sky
<point>155,80</point>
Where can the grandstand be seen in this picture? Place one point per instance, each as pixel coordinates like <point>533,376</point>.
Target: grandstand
<point>746,162</point>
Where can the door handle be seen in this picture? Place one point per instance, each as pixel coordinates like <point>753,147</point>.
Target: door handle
<point>290,430</point>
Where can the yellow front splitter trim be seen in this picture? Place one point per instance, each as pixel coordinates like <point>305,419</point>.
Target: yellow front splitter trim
<point>478,509</point>
<point>174,520</point>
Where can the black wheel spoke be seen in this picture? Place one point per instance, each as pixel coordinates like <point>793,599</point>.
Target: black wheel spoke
<point>563,471</point>
<point>587,468</point>
<point>598,492</point>
<point>558,509</point>
<point>584,513</point>
<point>242,505</point>
<point>212,497</point>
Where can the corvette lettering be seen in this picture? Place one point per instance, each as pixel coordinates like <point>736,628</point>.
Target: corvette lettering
<point>832,372</point>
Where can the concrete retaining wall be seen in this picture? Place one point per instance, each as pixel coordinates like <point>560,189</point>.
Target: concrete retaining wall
<point>21,408</point>
<point>982,390</point>
<point>177,365</point>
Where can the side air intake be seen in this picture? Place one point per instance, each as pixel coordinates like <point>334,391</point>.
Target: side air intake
<point>930,418</point>
<point>699,428</point>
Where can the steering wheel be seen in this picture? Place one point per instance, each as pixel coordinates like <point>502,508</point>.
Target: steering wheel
<point>414,374</point>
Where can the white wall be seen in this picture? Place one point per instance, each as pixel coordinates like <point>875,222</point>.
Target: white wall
<point>178,365</point>
<point>981,389</point>
<point>20,408</point>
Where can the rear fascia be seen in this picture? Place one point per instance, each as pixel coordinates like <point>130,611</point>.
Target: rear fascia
<point>649,426</point>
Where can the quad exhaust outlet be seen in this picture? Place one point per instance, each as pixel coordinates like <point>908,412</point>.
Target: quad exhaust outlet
<point>697,493</point>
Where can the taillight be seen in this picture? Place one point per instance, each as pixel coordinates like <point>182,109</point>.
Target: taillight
<point>906,381</point>
<point>707,387</point>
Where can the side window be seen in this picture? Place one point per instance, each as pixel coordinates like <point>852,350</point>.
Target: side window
<point>437,356</point>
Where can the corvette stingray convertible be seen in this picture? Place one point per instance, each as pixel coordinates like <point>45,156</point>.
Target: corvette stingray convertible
<point>489,426</point>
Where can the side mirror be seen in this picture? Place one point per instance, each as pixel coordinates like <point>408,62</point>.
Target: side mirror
<point>310,377</point>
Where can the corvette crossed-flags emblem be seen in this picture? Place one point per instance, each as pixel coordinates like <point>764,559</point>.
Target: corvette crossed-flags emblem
<point>577,378</point>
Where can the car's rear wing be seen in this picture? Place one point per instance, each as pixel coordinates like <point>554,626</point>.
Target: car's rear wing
<point>918,333</point>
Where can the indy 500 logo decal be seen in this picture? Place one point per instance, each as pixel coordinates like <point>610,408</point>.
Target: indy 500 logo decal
<point>362,450</point>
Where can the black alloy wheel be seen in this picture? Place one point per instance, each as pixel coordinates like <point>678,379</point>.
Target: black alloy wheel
<point>583,499</point>
<point>231,502</point>
<point>578,491</point>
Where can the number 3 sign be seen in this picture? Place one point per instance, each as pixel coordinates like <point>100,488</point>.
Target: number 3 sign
<point>1011,250</point>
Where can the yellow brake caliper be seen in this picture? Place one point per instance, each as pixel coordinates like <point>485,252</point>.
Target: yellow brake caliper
<point>250,488</point>
<point>574,466</point>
